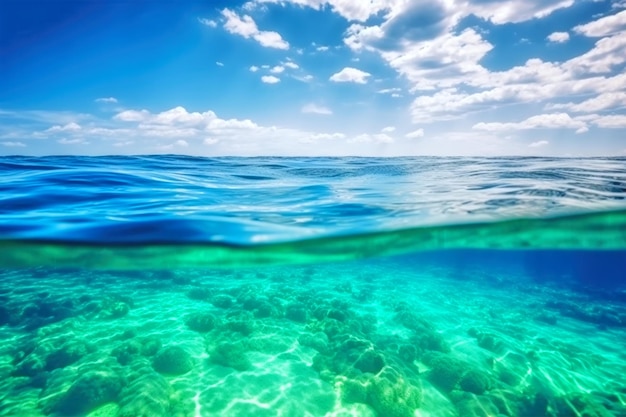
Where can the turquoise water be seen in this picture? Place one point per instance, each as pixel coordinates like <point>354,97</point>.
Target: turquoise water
<point>433,287</point>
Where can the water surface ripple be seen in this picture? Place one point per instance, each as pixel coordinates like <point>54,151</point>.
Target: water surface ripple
<point>143,199</point>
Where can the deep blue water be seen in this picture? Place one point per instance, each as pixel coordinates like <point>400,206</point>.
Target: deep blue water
<point>144,199</point>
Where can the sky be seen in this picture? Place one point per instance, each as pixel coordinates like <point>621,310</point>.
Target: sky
<point>313,77</point>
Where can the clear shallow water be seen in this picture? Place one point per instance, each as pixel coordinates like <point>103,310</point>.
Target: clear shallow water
<point>443,287</point>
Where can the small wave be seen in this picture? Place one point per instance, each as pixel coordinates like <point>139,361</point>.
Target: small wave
<point>243,201</point>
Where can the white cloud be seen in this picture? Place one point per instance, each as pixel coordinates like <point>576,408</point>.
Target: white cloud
<point>535,81</point>
<point>348,9</point>
<point>442,62</point>
<point>389,90</point>
<point>75,141</point>
<point>270,79</point>
<point>219,64</point>
<point>327,136</point>
<point>349,74</point>
<point>322,48</point>
<point>315,109</point>
<point>210,141</point>
<point>375,138</point>
<point>69,127</point>
<point>304,78</point>
<point>246,27</point>
<point>607,54</point>
<point>601,102</point>
<point>13,144</point>
<point>181,142</point>
<point>254,68</point>
<point>558,37</point>
<point>610,121</point>
<point>292,65</point>
<point>132,115</point>
<point>106,100</point>
<point>514,11</point>
<point>607,25</point>
<point>445,67</point>
<point>542,121</point>
<point>388,129</point>
<point>538,144</point>
<point>207,22</point>
<point>277,69</point>
<point>415,134</point>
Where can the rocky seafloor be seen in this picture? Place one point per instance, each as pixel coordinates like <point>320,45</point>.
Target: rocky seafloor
<point>380,338</point>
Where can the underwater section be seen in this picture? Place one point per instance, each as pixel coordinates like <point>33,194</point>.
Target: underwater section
<point>456,333</point>
<point>596,231</point>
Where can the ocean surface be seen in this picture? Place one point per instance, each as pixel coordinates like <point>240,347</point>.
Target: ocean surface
<point>148,286</point>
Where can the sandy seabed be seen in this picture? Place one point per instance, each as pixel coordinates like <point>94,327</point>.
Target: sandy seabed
<point>379,338</point>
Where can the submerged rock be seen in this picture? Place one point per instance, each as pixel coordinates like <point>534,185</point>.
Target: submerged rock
<point>370,361</point>
<point>173,360</point>
<point>68,354</point>
<point>201,322</point>
<point>91,390</point>
<point>446,371</point>
<point>296,312</point>
<point>222,301</point>
<point>475,381</point>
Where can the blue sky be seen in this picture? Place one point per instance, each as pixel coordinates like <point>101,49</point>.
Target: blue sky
<point>313,77</point>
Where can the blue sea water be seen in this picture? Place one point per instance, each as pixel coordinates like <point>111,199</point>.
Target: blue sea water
<point>434,287</point>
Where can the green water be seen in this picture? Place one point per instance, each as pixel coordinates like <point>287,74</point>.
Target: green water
<point>280,330</point>
<point>595,231</point>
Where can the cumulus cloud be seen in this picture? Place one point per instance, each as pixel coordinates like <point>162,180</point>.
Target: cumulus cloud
<point>558,37</point>
<point>497,11</point>
<point>254,68</point>
<point>348,9</point>
<point>388,129</point>
<point>415,134</point>
<point>607,25</point>
<point>316,109</point>
<point>514,11</point>
<point>603,101</point>
<point>538,144</point>
<point>610,121</point>
<point>352,75</point>
<point>442,62</point>
<point>270,79</point>
<point>69,127</point>
<point>219,64</point>
<point>106,100</point>
<point>246,27</point>
<point>535,81</point>
<point>132,115</point>
<point>542,121</point>
<point>291,64</point>
<point>277,69</point>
